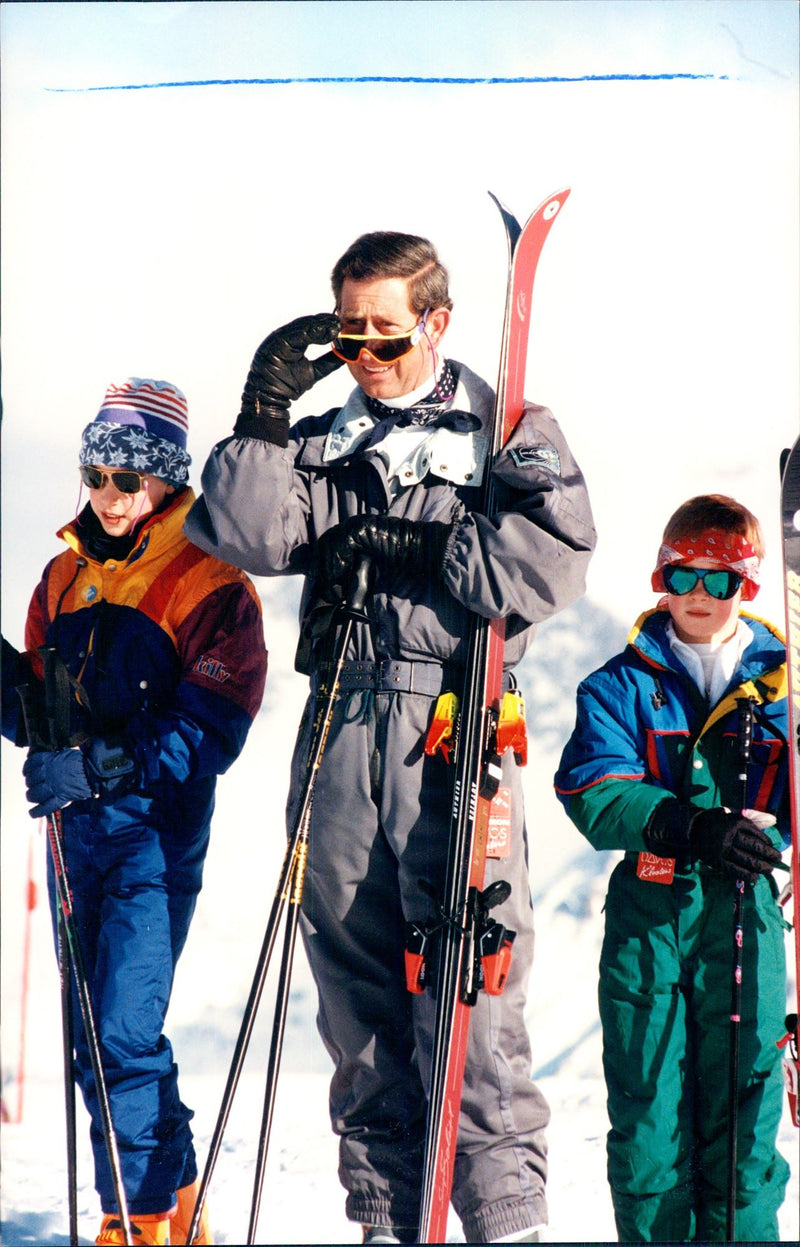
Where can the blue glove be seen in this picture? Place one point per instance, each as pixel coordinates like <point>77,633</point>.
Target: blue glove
<point>55,778</point>
<point>97,769</point>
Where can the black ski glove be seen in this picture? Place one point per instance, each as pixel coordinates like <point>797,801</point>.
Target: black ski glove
<point>280,373</point>
<point>55,777</point>
<point>397,545</point>
<point>724,840</point>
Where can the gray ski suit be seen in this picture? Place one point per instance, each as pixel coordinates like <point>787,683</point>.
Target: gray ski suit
<point>381,805</point>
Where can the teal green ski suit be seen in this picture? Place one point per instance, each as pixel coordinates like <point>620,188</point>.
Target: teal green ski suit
<point>644,734</point>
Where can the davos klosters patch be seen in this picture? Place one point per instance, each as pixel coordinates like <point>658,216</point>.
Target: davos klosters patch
<point>537,457</point>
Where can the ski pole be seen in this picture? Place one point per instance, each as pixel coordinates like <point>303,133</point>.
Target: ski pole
<point>278,1026</point>
<point>67,1050</point>
<point>745,740</point>
<point>291,875</point>
<point>74,962</point>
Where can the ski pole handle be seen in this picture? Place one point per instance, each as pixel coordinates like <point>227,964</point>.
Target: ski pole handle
<point>56,697</point>
<point>35,742</point>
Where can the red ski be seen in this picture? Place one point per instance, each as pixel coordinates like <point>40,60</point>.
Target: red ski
<point>474,950</point>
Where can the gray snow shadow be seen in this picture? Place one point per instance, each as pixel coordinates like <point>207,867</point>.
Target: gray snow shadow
<point>34,1231</point>
<point>555,1064</point>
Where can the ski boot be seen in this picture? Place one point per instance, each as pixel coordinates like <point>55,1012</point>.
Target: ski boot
<point>389,1234</point>
<point>179,1228</point>
<point>147,1230</point>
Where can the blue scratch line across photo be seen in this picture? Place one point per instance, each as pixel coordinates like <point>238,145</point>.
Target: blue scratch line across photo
<point>411,79</point>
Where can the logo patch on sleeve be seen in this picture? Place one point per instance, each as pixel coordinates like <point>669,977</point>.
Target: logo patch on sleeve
<point>212,668</point>
<point>546,457</point>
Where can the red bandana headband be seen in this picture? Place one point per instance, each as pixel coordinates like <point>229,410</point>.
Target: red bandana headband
<point>728,549</point>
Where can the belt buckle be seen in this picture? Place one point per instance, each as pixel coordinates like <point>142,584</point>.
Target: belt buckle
<point>387,676</point>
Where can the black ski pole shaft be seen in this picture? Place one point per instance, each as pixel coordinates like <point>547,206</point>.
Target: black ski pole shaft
<point>733,1062</point>
<point>74,957</point>
<point>278,1030</point>
<point>351,610</point>
<point>81,981</point>
<point>36,742</point>
<point>68,1048</point>
<point>745,738</point>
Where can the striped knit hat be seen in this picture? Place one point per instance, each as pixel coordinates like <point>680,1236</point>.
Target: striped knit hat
<point>141,425</point>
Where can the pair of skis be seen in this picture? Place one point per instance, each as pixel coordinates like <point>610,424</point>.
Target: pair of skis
<point>476,764</point>
<point>466,931</point>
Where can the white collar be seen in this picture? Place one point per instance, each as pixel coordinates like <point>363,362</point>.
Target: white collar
<point>415,451</point>
<point>712,668</point>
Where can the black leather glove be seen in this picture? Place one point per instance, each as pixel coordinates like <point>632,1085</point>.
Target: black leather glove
<point>722,839</point>
<point>396,544</point>
<point>56,777</point>
<point>732,843</point>
<point>280,373</point>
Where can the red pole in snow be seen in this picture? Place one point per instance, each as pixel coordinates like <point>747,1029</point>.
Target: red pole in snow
<point>30,905</point>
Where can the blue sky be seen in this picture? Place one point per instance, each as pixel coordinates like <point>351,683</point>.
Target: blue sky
<point>95,44</point>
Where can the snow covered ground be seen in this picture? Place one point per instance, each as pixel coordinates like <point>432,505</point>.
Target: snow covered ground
<point>302,1200</point>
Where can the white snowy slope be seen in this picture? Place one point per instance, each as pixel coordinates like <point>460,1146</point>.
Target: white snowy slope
<point>302,1199</point>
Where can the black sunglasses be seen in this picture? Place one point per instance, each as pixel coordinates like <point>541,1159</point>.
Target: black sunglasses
<point>718,582</point>
<point>126,482</point>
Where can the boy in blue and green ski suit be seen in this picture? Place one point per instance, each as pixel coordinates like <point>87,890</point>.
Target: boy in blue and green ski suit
<point>654,767</point>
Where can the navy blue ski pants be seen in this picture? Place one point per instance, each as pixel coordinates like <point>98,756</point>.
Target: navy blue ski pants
<point>134,894</point>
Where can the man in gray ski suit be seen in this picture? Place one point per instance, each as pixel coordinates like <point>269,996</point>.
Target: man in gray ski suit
<point>394,474</point>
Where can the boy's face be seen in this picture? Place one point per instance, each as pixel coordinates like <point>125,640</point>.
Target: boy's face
<point>700,619</point>
<point>118,512</point>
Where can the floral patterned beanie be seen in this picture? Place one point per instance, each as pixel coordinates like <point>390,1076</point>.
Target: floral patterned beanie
<point>142,426</point>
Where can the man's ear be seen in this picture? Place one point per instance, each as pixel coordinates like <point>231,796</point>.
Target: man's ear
<point>436,324</point>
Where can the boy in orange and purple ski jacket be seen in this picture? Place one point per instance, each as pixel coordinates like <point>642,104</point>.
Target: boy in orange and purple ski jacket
<point>161,650</point>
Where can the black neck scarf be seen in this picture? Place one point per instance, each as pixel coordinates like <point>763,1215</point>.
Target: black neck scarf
<point>433,410</point>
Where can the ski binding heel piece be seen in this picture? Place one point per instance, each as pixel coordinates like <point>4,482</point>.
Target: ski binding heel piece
<point>495,954</point>
<point>487,958</point>
<point>417,938</point>
<point>512,732</point>
<point>442,731</point>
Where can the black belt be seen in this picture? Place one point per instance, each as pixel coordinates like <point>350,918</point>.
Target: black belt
<point>392,675</point>
<point>389,675</point>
